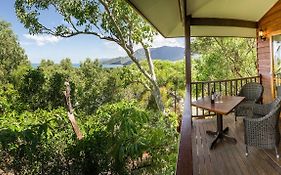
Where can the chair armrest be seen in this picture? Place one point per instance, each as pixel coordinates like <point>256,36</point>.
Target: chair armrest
<point>261,109</point>
<point>264,121</point>
<point>253,126</point>
<point>253,120</point>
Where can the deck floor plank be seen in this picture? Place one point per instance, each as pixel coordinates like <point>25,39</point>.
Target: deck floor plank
<point>229,158</point>
<point>208,160</point>
<point>215,157</point>
<point>201,149</point>
<point>194,151</point>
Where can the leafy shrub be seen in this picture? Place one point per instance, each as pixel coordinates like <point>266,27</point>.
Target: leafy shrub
<point>31,89</point>
<point>120,138</point>
<point>9,98</point>
<point>126,140</point>
<point>34,143</point>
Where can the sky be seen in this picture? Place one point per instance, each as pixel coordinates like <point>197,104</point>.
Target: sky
<point>78,48</point>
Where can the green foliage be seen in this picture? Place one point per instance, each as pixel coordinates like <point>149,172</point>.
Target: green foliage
<point>171,80</point>
<point>223,58</point>
<point>99,86</point>
<point>31,89</point>
<point>9,98</point>
<point>112,20</point>
<point>123,133</point>
<point>11,54</point>
<point>118,139</point>
<point>31,143</point>
<point>55,95</point>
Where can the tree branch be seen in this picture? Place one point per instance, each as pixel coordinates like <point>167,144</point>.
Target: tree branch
<point>234,68</point>
<point>113,21</point>
<point>144,84</point>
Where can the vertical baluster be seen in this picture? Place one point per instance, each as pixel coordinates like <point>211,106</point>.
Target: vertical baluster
<point>209,94</point>
<point>220,86</point>
<point>231,90</point>
<point>236,87</point>
<point>208,85</point>
<point>278,79</point>
<point>225,88</point>
<point>202,91</point>
<point>203,96</point>
<point>196,96</point>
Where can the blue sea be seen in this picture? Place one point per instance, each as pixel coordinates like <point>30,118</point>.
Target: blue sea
<point>35,65</point>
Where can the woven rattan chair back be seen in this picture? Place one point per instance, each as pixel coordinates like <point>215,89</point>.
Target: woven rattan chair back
<point>252,91</point>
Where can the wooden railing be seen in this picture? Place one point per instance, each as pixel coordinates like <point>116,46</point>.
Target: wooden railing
<point>225,87</point>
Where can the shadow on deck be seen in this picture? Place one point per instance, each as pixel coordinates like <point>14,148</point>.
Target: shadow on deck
<point>227,158</point>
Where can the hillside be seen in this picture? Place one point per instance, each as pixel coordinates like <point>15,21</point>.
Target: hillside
<point>160,53</point>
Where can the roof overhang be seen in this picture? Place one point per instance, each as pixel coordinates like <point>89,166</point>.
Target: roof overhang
<point>208,17</point>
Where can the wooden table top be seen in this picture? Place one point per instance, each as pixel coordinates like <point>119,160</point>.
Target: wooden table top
<point>228,103</point>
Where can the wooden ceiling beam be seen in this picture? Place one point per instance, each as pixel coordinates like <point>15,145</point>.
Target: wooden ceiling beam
<point>223,22</point>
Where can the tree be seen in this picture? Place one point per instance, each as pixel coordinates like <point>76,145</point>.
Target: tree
<point>224,57</point>
<point>110,20</point>
<point>32,91</point>
<point>97,86</point>
<point>11,54</point>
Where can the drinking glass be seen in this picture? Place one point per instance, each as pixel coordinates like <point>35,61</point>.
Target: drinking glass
<point>219,97</point>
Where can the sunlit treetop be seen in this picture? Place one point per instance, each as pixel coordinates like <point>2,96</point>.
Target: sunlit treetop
<point>112,20</point>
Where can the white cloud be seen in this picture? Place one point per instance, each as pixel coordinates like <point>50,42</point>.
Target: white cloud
<point>41,40</point>
<point>114,48</point>
<point>160,41</point>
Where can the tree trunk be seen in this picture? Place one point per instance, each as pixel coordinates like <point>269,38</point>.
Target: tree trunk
<point>155,90</point>
<point>157,96</point>
<point>150,75</point>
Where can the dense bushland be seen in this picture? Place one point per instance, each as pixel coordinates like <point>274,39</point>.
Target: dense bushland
<point>124,132</point>
<point>120,138</point>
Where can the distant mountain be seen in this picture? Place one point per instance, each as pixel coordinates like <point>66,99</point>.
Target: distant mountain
<point>167,53</point>
<point>160,53</point>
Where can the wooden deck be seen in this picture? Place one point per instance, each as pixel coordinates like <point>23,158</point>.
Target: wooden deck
<point>227,158</point>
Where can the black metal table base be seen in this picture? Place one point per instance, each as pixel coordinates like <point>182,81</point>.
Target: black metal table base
<point>220,134</point>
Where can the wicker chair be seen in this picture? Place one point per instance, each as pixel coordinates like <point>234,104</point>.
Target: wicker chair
<point>252,93</point>
<point>262,128</point>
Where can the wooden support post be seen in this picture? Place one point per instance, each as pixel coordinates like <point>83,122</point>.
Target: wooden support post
<point>184,164</point>
<point>70,110</point>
